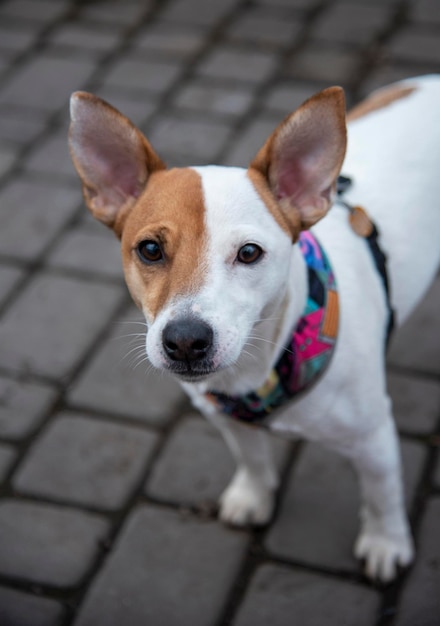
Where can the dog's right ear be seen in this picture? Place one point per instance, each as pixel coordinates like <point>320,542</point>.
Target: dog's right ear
<point>112,157</point>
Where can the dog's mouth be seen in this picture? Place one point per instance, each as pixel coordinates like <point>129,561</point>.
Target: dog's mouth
<point>191,372</point>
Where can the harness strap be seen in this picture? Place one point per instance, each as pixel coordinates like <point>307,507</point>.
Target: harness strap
<point>364,227</point>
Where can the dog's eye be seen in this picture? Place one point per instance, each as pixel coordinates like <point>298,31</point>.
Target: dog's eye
<point>249,253</point>
<point>149,251</point>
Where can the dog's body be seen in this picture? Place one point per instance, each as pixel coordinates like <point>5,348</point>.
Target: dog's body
<point>208,257</point>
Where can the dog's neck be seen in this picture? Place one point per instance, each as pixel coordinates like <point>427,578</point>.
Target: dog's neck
<point>268,338</point>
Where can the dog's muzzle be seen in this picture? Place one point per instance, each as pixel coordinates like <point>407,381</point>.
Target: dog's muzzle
<point>188,344</point>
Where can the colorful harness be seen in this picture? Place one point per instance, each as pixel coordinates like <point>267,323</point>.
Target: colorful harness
<point>310,349</point>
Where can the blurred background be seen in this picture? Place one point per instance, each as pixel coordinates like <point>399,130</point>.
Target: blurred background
<point>108,478</point>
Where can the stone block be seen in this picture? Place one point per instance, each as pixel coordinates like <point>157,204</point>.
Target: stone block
<point>33,213</point>
<point>327,64</point>
<point>166,568</point>
<point>199,141</point>
<point>46,82</point>
<point>7,456</point>
<point>421,333</point>
<point>352,23</point>
<point>89,253</point>
<point>194,468</point>
<point>420,603</point>
<point>210,98</point>
<point>115,14</point>
<point>264,28</point>
<point>425,12</point>
<point>84,461</point>
<point>8,156</point>
<point>277,594</point>
<point>198,12</point>
<point>416,45</point>
<point>234,63</point>
<point>141,75</point>
<point>23,609</point>
<point>9,278</point>
<point>52,323</point>
<point>118,380</point>
<point>246,145</point>
<point>284,98</point>
<point>41,11</point>
<point>48,545</point>
<point>52,157</point>
<point>416,403</point>
<point>84,37</point>
<point>173,40</point>
<point>16,40</point>
<point>23,406</point>
<point>20,128</point>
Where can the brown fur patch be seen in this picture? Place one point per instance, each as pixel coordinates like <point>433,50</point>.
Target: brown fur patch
<point>171,212</point>
<point>379,100</point>
<point>290,221</point>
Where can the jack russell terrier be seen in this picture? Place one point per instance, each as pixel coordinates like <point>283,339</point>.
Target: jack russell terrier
<point>268,314</point>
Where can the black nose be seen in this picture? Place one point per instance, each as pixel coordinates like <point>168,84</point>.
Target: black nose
<point>187,340</point>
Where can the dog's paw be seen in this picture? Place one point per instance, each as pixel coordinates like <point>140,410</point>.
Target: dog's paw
<point>246,502</point>
<point>383,554</point>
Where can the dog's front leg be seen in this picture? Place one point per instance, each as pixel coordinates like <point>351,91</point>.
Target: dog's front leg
<point>385,539</point>
<point>250,497</point>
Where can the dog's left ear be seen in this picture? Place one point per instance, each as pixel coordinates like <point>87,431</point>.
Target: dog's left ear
<point>303,157</point>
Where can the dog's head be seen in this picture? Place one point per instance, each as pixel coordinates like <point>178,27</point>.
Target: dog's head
<point>206,250</point>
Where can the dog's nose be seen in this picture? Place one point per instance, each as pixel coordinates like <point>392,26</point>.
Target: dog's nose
<point>187,340</point>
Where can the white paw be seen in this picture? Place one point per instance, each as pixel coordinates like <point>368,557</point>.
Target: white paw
<point>383,554</point>
<point>246,501</point>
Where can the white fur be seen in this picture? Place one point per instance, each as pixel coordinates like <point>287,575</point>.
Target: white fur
<point>393,157</point>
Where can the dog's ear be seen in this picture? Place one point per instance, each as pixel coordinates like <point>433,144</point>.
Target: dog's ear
<point>111,156</point>
<point>302,158</point>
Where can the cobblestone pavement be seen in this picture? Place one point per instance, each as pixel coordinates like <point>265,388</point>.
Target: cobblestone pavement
<point>108,479</point>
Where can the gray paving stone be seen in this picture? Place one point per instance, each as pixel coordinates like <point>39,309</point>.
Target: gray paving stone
<point>421,333</point>
<point>46,544</point>
<point>7,456</point>
<point>166,569</point>
<point>88,252</point>
<point>211,98</point>
<point>425,11</point>
<point>22,609</point>
<point>138,74</point>
<point>116,13</point>
<point>353,23</point>
<point>22,407</point>
<point>9,277</point>
<point>416,403</point>
<point>290,4</point>
<point>52,157</point>
<point>181,40</point>
<point>199,141</point>
<point>16,39</point>
<point>233,63</point>
<point>200,12</point>
<point>84,37</point>
<point>113,459</point>
<point>278,594</point>
<point>251,140</point>
<point>415,45</point>
<point>265,28</point>
<point>318,522</point>
<point>389,73</point>
<point>420,603</point>
<point>46,82</point>
<point>196,465</point>
<point>328,64</point>
<point>33,213</point>
<point>116,381</point>
<point>436,477</point>
<point>20,127</point>
<point>8,156</point>
<point>318,519</point>
<point>284,98</point>
<point>41,11</point>
<point>52,323</point>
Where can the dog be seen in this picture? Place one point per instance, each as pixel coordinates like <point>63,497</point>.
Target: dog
<point>237,269</point>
